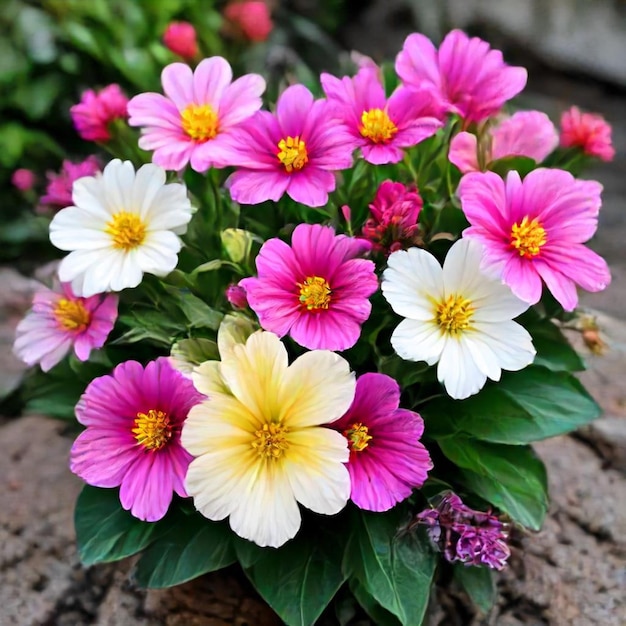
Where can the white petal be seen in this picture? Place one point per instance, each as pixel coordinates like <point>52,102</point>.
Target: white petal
<point>318,388</point>
<point>494,301</point>
<point>412,281</point>
<point>457,370</point>
<point>75,229</point>
<point>510,341</point>
<point>207,378</point>
<point>169,210</point>
<point>418,341</point>
<point>118,178</point>
<point>461,268</point>
<point>314,464</point>
<point>483,354</point>
<point>88,195</point>
<point>148,182</point>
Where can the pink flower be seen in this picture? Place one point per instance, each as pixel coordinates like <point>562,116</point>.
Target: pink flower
<point>236,296</point>
<point>96,110</point>
<point>133,419</point>
<point>194,121</point>
<point>316,290</point>
<point>251,18</point>
<point>23,179</point>
<point>180,38</point>
<point>387,460</point>
<point>466,76</point>
<point>60,321</point>
<point>381,127</point>
<point>534,230</point>
<point>526,133</point>
<point>394,214</point>
<point>294,151</point>
<point>588,131</point>
<point>59,190</point>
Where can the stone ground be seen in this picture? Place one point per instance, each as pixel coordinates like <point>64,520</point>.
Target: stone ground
<point>572,573</point>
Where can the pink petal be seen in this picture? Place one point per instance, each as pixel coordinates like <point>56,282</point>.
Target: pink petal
<point>292,109</point>
<point>241,100</point>
<point>464,152</point>
<point>310,186</point>
<point>210,79</point>
<point>250,187</point>
<point>177,80</point>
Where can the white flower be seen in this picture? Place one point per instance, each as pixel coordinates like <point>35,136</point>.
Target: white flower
<point>259,442</point>
<point>123,224</point>
<point>455,316</point>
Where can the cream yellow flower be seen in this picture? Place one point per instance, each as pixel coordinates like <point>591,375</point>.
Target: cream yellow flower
<point>257,439</point>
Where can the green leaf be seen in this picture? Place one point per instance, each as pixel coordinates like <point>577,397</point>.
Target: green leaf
<point>554,351</point>
<point>525,406</point>
<point>199,314</point>
<point>381,616</point>
<point>299,579</point>
<point>512,478</point>
<point>478,583</point>
<point>395,569</point>
<point>192,546</point>
<point>105,532</point>
<point>520,164</point>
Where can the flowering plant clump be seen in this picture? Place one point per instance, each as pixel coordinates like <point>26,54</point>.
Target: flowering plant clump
<point>299,333</point>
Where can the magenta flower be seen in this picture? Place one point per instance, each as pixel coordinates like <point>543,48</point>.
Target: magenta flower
<point>316,290</point>
<point>194,120</point>
<point>392,224</point>
<point>96,110</point>
<point>133,419</point>
<point>250,18</point>
<point>294,151</point>
<point>588,131</point>
<point>381,127</point>
<point>526,133</point>
<point>465,535</point>
<point>23,179</point>
<point>60,321</point>
<point>387,460</point>
<point>466,76</point>
<point>59,190</point>
<point>534,230</point>
<point>180,38</point>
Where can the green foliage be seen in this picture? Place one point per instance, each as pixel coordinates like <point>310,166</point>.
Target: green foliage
<point>478,583</point>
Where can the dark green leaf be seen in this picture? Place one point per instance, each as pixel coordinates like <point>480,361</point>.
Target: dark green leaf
<point>192,546</point>
<point>105,531</point>
<point>395,569</point>
<point>525,406</point>
<point>512,478</point>
<point>381,616</point>
<point>478,583</point>
<point>299,579</point>
<point>520,164</point>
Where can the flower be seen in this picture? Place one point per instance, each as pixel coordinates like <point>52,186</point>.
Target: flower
<point>96,110</point>
<point>456,317</point>
<point>23,179</point>
<point>236,296</point>
<point>387,460</point>
<point>180,38</point>
<point>381,127</point>
<point>59,190</point>
<point>258,441</point>
<point>251,19</point>
<point>193,122</point>
<point>133,419</point>
<point>59,321</point>
<point>588,131</point>
<point>526,133</point>
<point>465,535</point>
<point>122,225</point>
<point>534,230</point>
<point>465,75</point>
<point>392,224</point>
<point>294,151</point>
<point>315,290</point>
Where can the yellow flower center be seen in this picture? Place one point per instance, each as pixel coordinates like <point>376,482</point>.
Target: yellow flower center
<point>454,314</point>
<point>315,293</point>
<point>200,122</point>
<point>271,441</point>
<point>377,126</point>
<point>527,237</point>
<point>357,436</point>
<point>152,429</point>
<point>127,230</point>
<point>71,315</point>
<point>293,154</point>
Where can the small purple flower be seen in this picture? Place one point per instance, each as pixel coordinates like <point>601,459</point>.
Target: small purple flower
<point>465,535</point>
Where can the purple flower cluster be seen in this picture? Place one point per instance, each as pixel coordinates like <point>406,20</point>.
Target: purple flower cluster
<point>465,535</point>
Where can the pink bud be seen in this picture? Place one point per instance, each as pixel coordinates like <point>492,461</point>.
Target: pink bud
<point>23,179</point>
<point>237,297</point>
<point>346,211</point>
<point>96,110</point>
<point>588,131</point>
<point>251,18</point>
<point>180,38</point>
<point>59,189</point>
